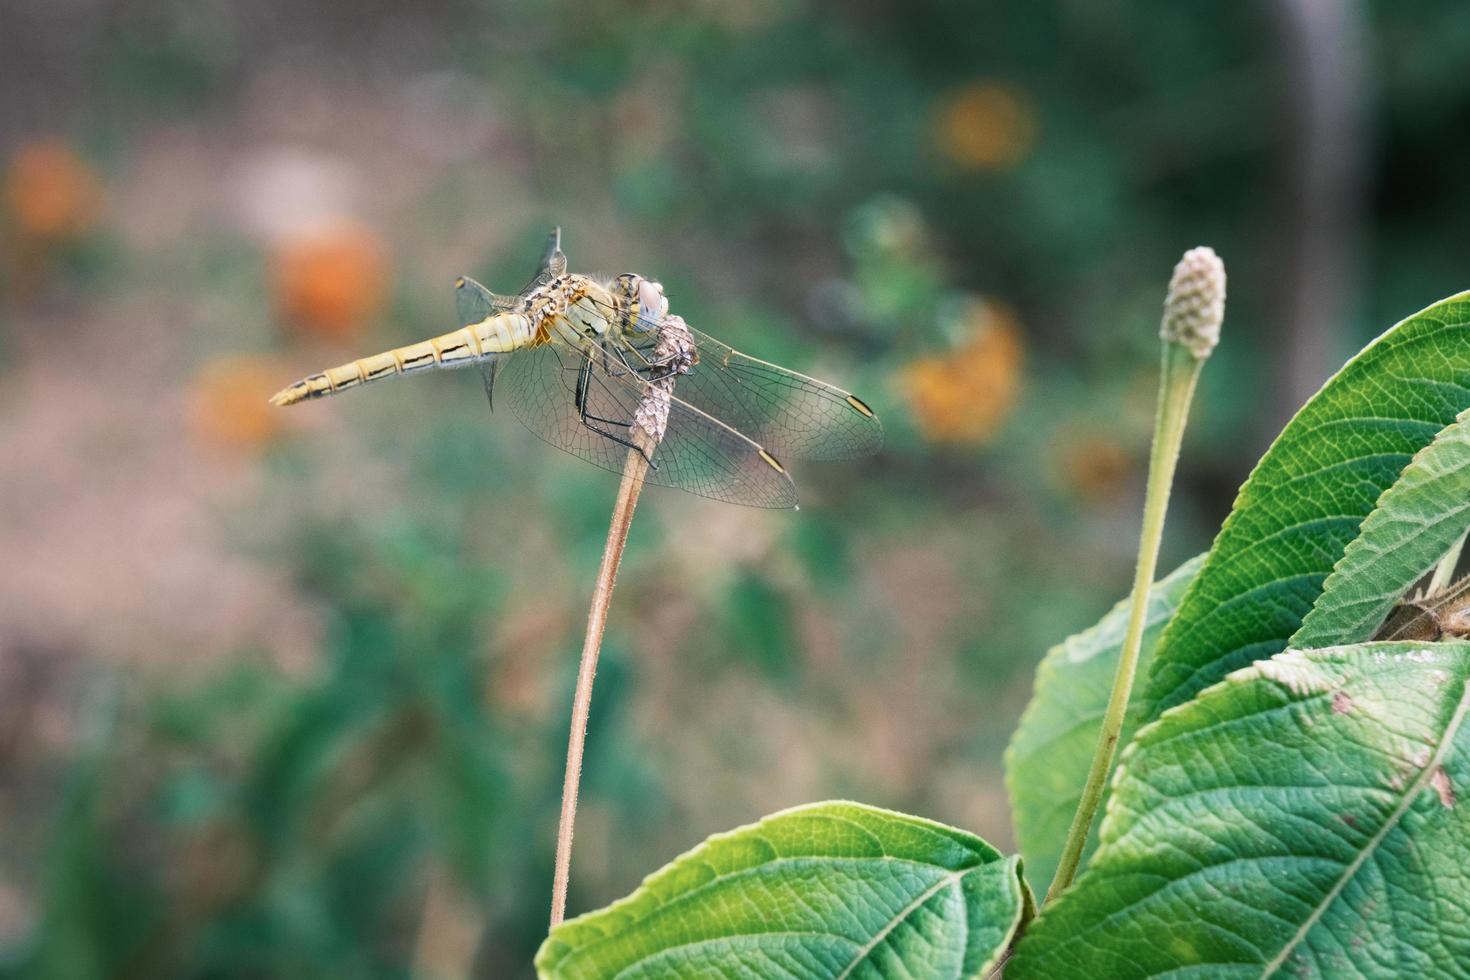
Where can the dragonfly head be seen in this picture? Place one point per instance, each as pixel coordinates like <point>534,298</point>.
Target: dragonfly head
<point>645,300</point>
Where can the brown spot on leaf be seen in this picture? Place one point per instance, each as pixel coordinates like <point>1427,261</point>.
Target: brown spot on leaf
<point>1350,820</point>
<point>1342,702</point>
<point>1441,783</point>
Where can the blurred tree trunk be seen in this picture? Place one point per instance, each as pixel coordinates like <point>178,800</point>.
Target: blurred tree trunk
<point>1319,239</point>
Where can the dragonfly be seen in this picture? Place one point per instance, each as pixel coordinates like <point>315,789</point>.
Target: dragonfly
<point>581,361</point>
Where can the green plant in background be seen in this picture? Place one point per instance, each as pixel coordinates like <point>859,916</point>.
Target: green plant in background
<point>1288,801</point>
<point>277,823</point>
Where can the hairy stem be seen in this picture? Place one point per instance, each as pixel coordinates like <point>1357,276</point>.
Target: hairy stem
<point>634,471</point>
<point>1181,370</point>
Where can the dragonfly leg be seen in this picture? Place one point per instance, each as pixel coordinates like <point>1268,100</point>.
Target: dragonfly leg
<point>584,380</point>
<point>584,384</point>
<point>608,354</point>
<point>651,369</point>
<point>621,353</point>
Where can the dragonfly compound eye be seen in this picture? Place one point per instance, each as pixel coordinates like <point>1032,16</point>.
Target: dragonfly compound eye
<point>652,303</point>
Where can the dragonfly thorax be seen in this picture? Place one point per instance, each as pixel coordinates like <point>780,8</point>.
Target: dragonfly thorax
<point>572,308</point>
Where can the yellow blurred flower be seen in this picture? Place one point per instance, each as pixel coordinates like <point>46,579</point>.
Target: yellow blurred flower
<point>50,194</point>
<point>227,404</point>
<point>331,282</point>
<point>965,396</point>
<point>985,126</point>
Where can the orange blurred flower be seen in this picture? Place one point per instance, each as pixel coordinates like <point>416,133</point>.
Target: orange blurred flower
<point>228,407</point>
<point>965,396</point>
<point>329,283</point>
<point>985,126</point>
<point>50,194</point>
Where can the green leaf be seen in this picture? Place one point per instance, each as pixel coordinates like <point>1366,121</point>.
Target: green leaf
<point>1416,521</point>
<point>824,890</point>
<point>1307,497</point>
<point>1050,754</point>
<point>1300,819</point>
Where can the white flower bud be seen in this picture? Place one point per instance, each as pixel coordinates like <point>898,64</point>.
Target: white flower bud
<point>1195,305</point>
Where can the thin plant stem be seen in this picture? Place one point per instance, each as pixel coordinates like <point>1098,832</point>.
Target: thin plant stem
<point>674,352</point>
<point>1181,370</point>
<point>634,471</point>
<point>1193,311</point>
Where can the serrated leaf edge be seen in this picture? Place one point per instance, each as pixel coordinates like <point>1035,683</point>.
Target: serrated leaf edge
<point>1234,515</point>
<point>1012,863</point>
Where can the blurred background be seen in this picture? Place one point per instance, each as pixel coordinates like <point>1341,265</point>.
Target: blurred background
<point>284,694</point>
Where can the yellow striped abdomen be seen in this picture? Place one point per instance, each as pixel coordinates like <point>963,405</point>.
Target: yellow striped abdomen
<point>496,334</point>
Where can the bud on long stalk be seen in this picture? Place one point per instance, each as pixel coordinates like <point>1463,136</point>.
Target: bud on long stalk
<point>1195,306</point>
<point>1193,312</point>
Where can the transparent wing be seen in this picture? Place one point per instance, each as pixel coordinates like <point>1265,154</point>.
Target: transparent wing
<point>698,453</point>
<point>790,414</point>
<point>553,262</point>
<point>473,302</point>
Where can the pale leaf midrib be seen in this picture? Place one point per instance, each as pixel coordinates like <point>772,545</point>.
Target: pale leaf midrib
<point>858,956</point>
<point>726,877</point>
<point>903,914</point>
